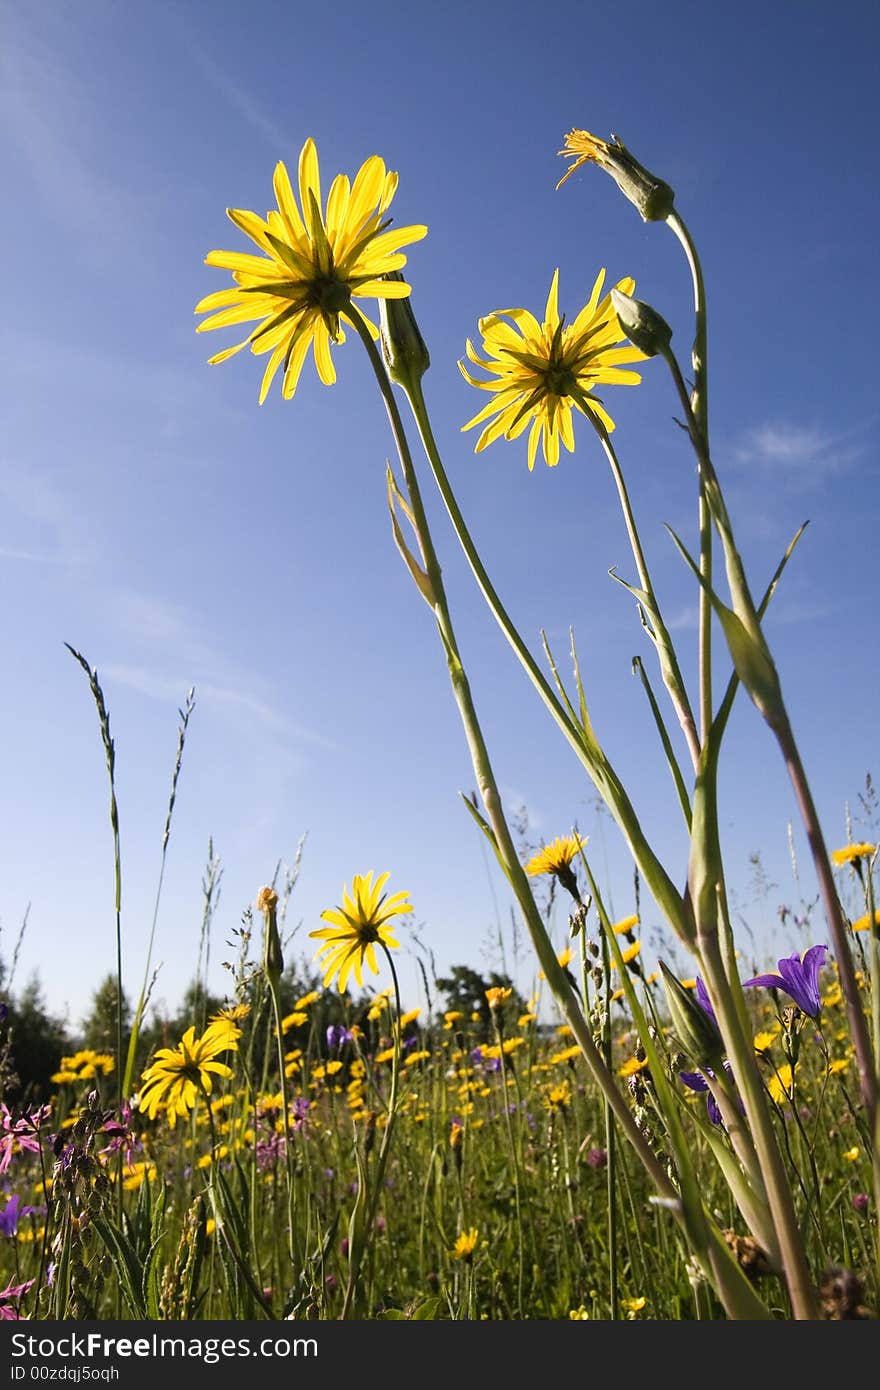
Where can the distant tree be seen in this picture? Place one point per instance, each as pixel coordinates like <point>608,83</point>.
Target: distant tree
<point>99,1029</point>
<point>37,1042</point>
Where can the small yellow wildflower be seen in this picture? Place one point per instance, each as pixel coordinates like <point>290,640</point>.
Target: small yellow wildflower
<point>559,1097</point>
<point>839,1065</point>
<point>579,1314</point>
<point>294,1020</point>
<point>497,996</point>
<point>358,927</point>
<point>780,1083</point>
<point>630,954</point>
<point>525,1019</point>
<point>633,1306</point>
<point>568,1054</point>
<point>632,1066</point>
<point>863,923</point>
<point>764,1041</point>
<point>409,1017</point>
<point>466,1245</point>
<point>414,1057</point>
<point>852,1154</point>
<point>311,998</point>
<point>451,1018</point>
<point>851,854</point>
<point>626,925</point>
<point>555,858</point>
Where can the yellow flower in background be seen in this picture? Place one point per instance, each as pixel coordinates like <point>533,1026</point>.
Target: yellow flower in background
<point>579,1314</point>
<point>850,854</point>
<point>409,1017</point>
<point>466,1244</point>
<point>780,1083</point>
<point>497,995</point>
<point>357,927</point>
<point>863,923</point>
<point>626,925</point>
<point>556,857</point>
<point>764,1041</point>
<point>559,1097</point>
<point>294,1020</point>
<point>83,1066</point>
<point>178,1075</point>
<point>632,1066</point>
<point>233,1013</point>
<point>633,1306</point>
<point>629,954</point>
<point>311,998</point>
<point>313,262</point>
<point>852,1154</point>
<point>539,373</point>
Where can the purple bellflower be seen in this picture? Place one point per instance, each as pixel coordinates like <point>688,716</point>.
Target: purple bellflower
<point>799,979</point>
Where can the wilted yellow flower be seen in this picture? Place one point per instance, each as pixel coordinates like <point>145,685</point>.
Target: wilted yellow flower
<point>267,898</point>
<point>651,195</point>
<point>850,854</point>
<point>540,373</point>
<point>357,927</point>
<point>312,264</point>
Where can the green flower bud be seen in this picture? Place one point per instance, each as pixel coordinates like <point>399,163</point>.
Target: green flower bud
<point>646,329</point>
<point>652,196</point>
<point>403,346</point>
<point>273,960</point>
<point>695,1031</point>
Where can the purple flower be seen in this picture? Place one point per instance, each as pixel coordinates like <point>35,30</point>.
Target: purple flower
<point>798,978</point>
<point>597,1158</point>
<point>337,1034</point>
<point>22,1134</point>
<point>704,1001</point>
<point>861,1201</point>
<point>12,1293</point>
<point>696,1081</point>
<point>12,1214</point>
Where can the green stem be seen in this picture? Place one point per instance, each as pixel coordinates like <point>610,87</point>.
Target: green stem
<point>505,848</point>
<point>288,1152</point>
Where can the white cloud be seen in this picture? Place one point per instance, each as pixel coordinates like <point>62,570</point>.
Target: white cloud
<point>803,454</point>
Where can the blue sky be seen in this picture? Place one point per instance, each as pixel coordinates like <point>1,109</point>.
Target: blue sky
<point>179,535</point>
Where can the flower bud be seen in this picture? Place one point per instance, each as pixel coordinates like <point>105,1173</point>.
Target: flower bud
<point>694,1028</point>
<point>652,196</point>
<point>273,960</point>
<point>646,329</point>
<point>403,346</point>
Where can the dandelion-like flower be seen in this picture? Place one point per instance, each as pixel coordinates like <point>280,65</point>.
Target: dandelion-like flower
<point>540,372</point>
<point>357,927</point>
<point>556,857</point>
<point>852,854</point>
<point>178,1075</point>
<point>314,261</point>
<point>466,1245</point>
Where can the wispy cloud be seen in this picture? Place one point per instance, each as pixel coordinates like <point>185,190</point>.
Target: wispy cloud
<point>223,83</point>
<point>684,618</point>
<point>805,455</point>
<point>51,120</point>
<point>37,507</point>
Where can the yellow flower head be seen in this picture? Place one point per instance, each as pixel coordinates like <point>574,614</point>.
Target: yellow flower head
<point>850,854</point>
<point>556,857</point>
<point>626,925</point>
<point>497,996</point>
<point>267,900</point>
<point>357,927</point>
<point>651,195</point>
<point>540,372</point>
<point>780,1083</point>
<point>864,923</point>
<point>313,262</point>
<point>233,1013</point>
<point>177,1075</point>
<point>558,1097</point>
<point>466,1244</point>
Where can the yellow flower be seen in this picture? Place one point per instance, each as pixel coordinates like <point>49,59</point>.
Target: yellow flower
<point>177,1075</point>
<point>311,998</point>
<point>525,1019</point>
<point>780,1083</point>
<point>452,1017</point>
<point>626,925</point>
<point>633,1306</point>
<point>564,957</point>
<point>497,995</point>
<point>312,264</point>
<point>629,954</point>
<point>233,1013</point>
<point>294,1020</point>
<point>540,372</point>
<point>863,923</point>
<point>409,1017</point>
<point>839,1065</point>
<point>466,1244</point>
<point>135,1174</point>
<point>852,1154</point>
<point>421,1056</point>
<point>764,1041</point>
<point>632,1066</point>
<point>387,1055</point>
<point>83,1066</point>
<point>357,927</point>
<point>559,1097</point>
<point>651,195</point>
<point>556,857</point>
<point>851,853</point>
<point>568,1054</point>
<point>579,1314</point>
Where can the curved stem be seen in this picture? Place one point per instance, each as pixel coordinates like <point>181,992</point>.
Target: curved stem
<point>699,405</point>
